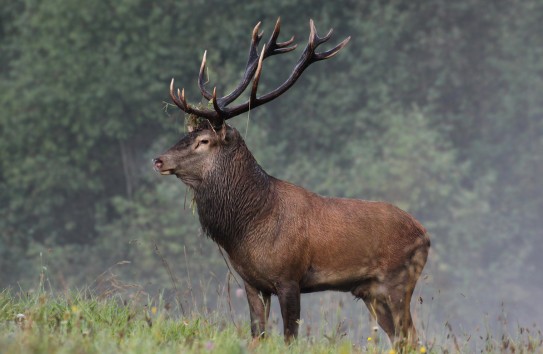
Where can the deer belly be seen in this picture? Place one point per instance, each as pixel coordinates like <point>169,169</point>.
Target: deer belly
<point>345,279</point>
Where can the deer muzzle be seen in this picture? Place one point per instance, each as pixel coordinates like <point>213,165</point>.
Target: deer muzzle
<point>159,167</point>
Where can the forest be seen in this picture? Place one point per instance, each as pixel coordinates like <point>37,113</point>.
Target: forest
<point>435,106</point>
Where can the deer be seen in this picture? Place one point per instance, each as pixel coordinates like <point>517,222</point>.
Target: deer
<point>282,239</point>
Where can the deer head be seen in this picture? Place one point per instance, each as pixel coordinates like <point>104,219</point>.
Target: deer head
<point>196,153</point>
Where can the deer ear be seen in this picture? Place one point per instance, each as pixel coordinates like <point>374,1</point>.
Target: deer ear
<point>222,132</point>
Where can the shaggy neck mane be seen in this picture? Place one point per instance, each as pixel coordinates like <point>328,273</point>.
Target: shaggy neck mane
<point>232,196</point>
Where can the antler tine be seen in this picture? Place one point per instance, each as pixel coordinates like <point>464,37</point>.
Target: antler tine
<point>178,102</point>
<point>278,48</point>
<point>201,82</point>
<point>257,35</point>
<point>253,99</point>
<point>326,37</point>
<point>216,106</point>
<point>330,53</point>
<point>315,41</point>
<point>249,69</point>
<point>312,35</point>
<point>181,98</point>
<point>276,30</point>
<point>315,37</point>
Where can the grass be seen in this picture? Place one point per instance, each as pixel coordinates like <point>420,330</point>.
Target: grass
<point>81,322</point>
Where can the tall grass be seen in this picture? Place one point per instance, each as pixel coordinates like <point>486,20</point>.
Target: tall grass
<point>118,317</point>
<point>82,322</point>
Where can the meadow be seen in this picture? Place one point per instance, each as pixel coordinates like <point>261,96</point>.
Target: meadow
<point>85,322</point>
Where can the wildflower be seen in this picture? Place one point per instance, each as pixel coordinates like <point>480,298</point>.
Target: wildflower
<point>369,339</point>
<point>153,310</point>
<point>423,349</point>
<point>239,293</point>
<point>392,351</point>
<point>74,309</point>
<point>209,345</point>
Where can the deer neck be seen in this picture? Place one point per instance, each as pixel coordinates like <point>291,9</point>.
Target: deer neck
<point>232,197</point>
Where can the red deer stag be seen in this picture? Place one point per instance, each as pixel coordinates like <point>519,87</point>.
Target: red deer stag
<point>280,238</point>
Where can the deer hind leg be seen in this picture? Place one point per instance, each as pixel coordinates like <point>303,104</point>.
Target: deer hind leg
<point>399,299</point>
<point>378,306</point>
<point>388,302</point>
<point>400,289</point>
<point>381,312</point>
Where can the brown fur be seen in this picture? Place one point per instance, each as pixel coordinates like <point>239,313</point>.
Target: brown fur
<point>284,240</point>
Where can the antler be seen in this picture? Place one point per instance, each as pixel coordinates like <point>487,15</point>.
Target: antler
<point>253,70</point>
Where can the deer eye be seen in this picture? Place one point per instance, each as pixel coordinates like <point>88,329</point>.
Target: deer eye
<point>201,142</point>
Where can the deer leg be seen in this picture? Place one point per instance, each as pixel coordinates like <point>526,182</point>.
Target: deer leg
<point>259,310</point>
<point>399,300</point>
<point>400,292</point>
<point>377,305</point>
<point>289,301</point>
<point>381,312</point>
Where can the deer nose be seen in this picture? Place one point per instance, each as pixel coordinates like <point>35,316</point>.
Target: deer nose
<point>158,163</point>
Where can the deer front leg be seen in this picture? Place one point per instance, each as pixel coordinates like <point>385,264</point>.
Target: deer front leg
<point>259,310</point>
<point>289,300</point>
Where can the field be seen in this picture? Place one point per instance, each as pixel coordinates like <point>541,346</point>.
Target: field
<point>81,322</point>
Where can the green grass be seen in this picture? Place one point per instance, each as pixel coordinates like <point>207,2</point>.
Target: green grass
<point>81,322</point>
